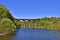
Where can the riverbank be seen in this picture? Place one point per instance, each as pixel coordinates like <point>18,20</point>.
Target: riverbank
<point>3,34</point>
<point>6,34</point>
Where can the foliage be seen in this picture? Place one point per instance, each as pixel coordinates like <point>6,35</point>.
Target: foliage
<point>7,26</point>
<point>17,23</point>
<point>7,23</point>
<point>52,23</point>
<point>4,13</point>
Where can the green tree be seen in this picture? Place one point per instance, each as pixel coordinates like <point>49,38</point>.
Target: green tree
<point>4,13</point>
<point>7,26</point>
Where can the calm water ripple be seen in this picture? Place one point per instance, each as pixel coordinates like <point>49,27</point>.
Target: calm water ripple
<point>33,34</point>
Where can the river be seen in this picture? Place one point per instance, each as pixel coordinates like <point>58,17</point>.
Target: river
<point>33,34</point>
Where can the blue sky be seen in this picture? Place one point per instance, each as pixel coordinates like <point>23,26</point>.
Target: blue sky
<point>33,8</point>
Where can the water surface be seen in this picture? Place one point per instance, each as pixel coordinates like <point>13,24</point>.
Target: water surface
<point>33,34</point>
<point>36,34</point>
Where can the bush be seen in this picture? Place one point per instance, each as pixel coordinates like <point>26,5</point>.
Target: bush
<point>7,26</point>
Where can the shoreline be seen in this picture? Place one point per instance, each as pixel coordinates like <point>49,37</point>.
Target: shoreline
<point>6,34</point>
<point>2,34</point>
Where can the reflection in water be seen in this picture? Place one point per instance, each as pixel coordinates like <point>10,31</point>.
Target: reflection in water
<point>57,34</point>
<point>33,34</point>
<point>36,34</point>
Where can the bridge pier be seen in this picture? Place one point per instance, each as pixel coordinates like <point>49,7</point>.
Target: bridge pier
<point>31,23</point>
<point>35,23</point>
<point>22,22</point>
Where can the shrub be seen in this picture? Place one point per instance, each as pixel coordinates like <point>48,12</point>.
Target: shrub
<point>7,26</point>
